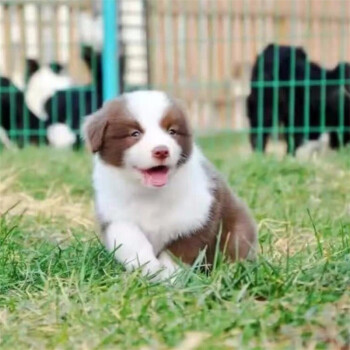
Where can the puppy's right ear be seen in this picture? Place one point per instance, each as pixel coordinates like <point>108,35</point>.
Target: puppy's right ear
<point>93,130</point>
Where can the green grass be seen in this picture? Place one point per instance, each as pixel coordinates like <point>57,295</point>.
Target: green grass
<point>59,289</point>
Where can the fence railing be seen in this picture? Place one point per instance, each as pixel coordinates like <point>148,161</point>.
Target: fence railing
<point>202,51</point>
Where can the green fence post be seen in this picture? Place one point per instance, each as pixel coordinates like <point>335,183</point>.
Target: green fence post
<point>110,50</point>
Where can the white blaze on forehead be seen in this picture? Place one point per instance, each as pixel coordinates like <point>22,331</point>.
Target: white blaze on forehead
<point>147,107</point>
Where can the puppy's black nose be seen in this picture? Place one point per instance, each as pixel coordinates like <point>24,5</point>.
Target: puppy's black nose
<point>160,152</point>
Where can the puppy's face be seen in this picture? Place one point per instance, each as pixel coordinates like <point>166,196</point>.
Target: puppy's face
<point>145,133</point>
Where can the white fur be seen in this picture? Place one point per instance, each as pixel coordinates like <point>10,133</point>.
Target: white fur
<point>149,108</point>
<point>143,220</point>
<point>60,135</point>
<point>41,86</point>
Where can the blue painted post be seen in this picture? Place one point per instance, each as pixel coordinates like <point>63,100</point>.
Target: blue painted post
<point>110,50</point>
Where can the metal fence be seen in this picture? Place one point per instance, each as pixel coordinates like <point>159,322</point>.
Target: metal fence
<point>204,51</point>
<point>213,54</point>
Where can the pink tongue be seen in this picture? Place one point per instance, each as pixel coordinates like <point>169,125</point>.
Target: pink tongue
<point>156,178</point>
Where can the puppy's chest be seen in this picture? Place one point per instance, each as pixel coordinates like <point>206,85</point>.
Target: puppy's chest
<point>163,219</point>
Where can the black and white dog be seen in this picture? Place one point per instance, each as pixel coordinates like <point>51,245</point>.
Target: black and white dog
<point>42,83</point>
<point>299,106</point>
<point>21,109</point>
<point>71,105</point>
<point>51,102</point>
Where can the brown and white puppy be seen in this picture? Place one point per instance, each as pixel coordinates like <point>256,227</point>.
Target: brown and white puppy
<point>155,192</point>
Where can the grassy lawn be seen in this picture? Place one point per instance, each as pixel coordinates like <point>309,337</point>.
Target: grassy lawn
<point>59,289</point>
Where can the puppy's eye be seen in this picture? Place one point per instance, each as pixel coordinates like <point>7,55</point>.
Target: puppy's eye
<point>135,133</point>
<point>172,132</point>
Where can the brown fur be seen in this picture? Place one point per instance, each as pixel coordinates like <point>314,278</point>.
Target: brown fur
<point>230,219</point>
<point>175,119</point>
<point>109,131</point>
<point>94,128</point>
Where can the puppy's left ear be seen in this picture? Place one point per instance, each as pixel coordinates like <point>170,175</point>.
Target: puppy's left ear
<point>94,128</point>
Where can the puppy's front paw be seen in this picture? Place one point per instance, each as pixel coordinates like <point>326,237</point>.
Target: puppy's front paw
<point>170,267</point>
<point>165,275</point>
<point>167,261</point>
<point>158,270</point>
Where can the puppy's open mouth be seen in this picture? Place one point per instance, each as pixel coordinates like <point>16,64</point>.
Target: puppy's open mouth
<point>156,176</point>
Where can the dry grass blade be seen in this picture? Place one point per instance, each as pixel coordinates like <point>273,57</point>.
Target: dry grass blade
<point>77,212</point>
